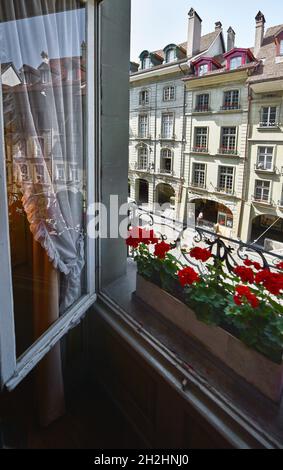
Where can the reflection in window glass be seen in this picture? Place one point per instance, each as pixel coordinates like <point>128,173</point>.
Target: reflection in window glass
<point>43,117</point>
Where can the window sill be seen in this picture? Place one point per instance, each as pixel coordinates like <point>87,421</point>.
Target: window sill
<point>237,410</point>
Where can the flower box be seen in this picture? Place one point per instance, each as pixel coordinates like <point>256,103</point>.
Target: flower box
<point>256,369</point>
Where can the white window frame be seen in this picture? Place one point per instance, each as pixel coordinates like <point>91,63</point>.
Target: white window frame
<point>268,124</point>
<point>171,55</point>
<point>13,370</point>
<point>143,97</point>
<point>202,70</point>
<point>199,169</point>
<point>262,185</point>
<point>164,125</point>
<point>264,154</point>
<point>281,47</point>
<point>227,175</point>
<point>169,93</point>
<point>234,59</point>
<point>143,126</point>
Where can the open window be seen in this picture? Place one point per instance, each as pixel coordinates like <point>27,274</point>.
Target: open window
<point>48,283</point>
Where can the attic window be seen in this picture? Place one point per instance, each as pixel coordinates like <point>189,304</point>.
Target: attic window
<point>203,69</point>
<point>170,55</point>
<point>281,47</point>
<point>146,63</point>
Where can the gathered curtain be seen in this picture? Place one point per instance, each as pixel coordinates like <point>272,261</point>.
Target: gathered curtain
<point>42,53</point>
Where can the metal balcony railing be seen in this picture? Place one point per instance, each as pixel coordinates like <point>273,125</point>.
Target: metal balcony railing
<point>232,251</point>
<point>269,124</point>
<point>202,108</point>
<point>231,106</point>
<point>200,149</point>
<point>227,151</point>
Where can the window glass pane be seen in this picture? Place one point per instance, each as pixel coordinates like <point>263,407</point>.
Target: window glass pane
<point>235,62</point>
<point>281,47</point>
<point>44,139</point>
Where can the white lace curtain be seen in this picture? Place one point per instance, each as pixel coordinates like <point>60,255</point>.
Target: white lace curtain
<point>42,50</point>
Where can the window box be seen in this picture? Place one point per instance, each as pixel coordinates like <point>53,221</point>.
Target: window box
<point>227,151</point>
<point>258,370</point>
<point>202,109</point>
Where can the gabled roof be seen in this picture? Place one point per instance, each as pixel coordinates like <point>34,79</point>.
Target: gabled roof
<point>269,68</point>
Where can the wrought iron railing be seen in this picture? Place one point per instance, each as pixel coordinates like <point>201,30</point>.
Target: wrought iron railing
<point>227,250</point>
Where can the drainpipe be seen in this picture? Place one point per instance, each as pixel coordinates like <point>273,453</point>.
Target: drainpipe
<point>155,143</point>
<point>246,165</point>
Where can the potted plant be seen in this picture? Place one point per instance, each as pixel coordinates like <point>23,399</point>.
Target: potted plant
<point>236,314</point>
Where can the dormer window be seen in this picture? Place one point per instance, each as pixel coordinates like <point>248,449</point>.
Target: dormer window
<point>45,76</point>
<point>203,69</point>
<point>146,63</point>
<point>170,55</point>
<point>235,62</point>
<point>281,47</point>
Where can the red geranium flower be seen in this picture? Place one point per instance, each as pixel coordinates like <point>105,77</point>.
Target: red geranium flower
<point>245,274</point>
<point>253,264</point>
<point>273,282</point>
<point>161,249</point>
<point>188,276</point>
<point>280,265</point>
<point>200,254</point>
<point>244,292</point>
<point>139,235</point>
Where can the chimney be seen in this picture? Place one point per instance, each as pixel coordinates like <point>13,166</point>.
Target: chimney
<point>194,33</point>
<point>231,35</point>
<point>218,26</point>
<point>259,32</point>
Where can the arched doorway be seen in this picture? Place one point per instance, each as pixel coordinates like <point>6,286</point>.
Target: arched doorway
<point>267,231</point>
<point>165,194</point>
<point>142,191</point>
<point>209,213</point>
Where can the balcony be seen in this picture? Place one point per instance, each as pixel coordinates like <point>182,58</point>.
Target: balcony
<point>202,109</point>
<point>262,168</point>
<point>231,107</point>
<point>198,185</point>
<point>199,149</point>
<point>166,171</point>
<point>228,151</point>
<point>269,126</point>
<point>226,191</point>
<point>266,200</point>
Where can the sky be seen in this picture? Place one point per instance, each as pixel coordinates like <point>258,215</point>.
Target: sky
<point>156,23</point>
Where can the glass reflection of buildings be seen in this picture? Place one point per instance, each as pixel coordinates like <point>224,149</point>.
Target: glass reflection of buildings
<point>49,150</point>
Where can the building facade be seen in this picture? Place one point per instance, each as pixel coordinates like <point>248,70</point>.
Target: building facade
<point>214,136</point>
<point>158,117</point>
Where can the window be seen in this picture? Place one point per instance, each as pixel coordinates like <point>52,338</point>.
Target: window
<point>201,139</point>
<point>231,99</point>
<point>74,173</point>
<point>268,116</point>
<point>48,283</point>
<point>281,47</point>
<point>166,161</point>
<point>143,126</point>
<point>235,63</point>
<point>24,172</point>
<point>60,172</point>
<point>39,174</point>
<point>169,93</point>
<point>170,55</point>
<point>202,102</point>
<point>199,172</point>
<point>225,220</point>
<point>262,191</point>
<point>226,179</point>
<point>203,69</point>
<point>143,158</point>
<point>167,126</point>
<point>146,63</point>
<point>265,157</point>
<point>45,76</point>
<point>72,74</point>
<point>228,140</point>
<point>144,97</point>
